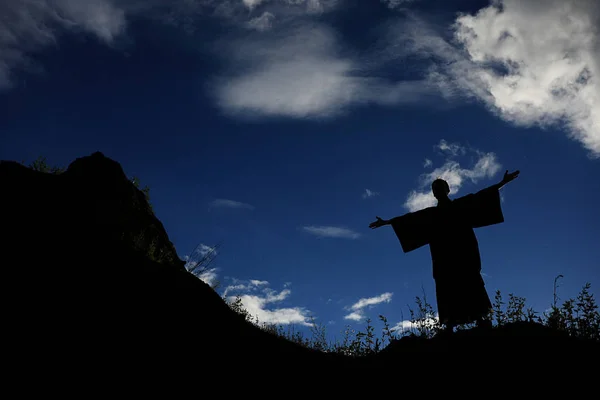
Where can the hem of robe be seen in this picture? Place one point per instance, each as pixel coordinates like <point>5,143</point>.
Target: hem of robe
<point>462,302</point>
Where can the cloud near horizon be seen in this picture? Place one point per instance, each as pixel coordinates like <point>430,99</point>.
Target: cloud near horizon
<point>357,310</point>
<point>260,301</point>
<point>409,326</point>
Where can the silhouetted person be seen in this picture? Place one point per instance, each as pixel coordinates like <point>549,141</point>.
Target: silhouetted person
<point>448,229</point>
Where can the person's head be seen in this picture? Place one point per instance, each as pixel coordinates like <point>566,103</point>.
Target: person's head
<point>440,189</point>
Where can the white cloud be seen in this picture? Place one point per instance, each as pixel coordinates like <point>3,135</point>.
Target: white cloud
<point>354,316</point>
<point>332,231</point>
<point>259,300</point>
<point>27,26</point>
<point>532,62</point>
<point>249,286</point>
<point>453,149</point>
<point>404,326</point>
<point>226,203</point>
<point>300,72</point>
<point>237,287</point>
<point>357,310</point>
<point>262,23</point>
<point>427,163</point>
<point>451,171</point>
<point>370,301</point>
<point>256,282</point>
<point>418,200</point>
<point>369,193</point>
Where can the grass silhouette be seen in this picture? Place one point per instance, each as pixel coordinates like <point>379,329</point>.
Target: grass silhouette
<point>578,317</point>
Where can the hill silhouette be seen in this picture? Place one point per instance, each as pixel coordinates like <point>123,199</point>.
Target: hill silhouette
<point>93,279</point>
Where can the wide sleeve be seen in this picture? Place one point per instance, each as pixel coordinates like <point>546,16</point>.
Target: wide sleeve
<point>482,208</point>
<point>414,229</point>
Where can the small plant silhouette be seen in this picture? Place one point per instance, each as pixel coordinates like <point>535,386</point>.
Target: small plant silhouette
<point>579,317</point>
<point>40,164</point>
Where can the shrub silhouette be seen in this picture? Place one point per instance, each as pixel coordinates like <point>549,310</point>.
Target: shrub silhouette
<point>41,165</point>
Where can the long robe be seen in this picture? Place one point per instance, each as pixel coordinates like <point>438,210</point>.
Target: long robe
<point>448,230</point>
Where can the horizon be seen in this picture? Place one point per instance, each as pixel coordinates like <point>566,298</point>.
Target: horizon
<point>281,129</point>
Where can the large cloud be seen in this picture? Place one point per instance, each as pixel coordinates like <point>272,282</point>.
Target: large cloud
<point>532,62</point>
<point>301,71</point>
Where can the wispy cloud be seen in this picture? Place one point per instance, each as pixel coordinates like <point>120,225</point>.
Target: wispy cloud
<point>452,172</point>
<point>27,26</point>
<point>262,23</point>
<point>369,193</point>
<point>308,5</point>
<point>332,232</point>
<point>257,283</point>
<point>204,250</point>
<point>251,285</point>
<point>301,71</point>
<point>427,163</point>
<point>393,4</point>
<point>453,149</point>
<point>30,26</point>
<point>261,302</point>
<point>226,203</point>
<point>357,310</point>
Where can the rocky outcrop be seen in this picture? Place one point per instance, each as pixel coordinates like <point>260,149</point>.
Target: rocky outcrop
<point>94,191</point>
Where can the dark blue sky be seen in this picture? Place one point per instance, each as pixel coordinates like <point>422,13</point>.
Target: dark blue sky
<point>291,115</point>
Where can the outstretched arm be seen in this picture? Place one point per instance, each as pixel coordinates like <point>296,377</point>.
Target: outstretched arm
<point>508,177</point>
<point>413,229</point>
<point>379,223</point>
